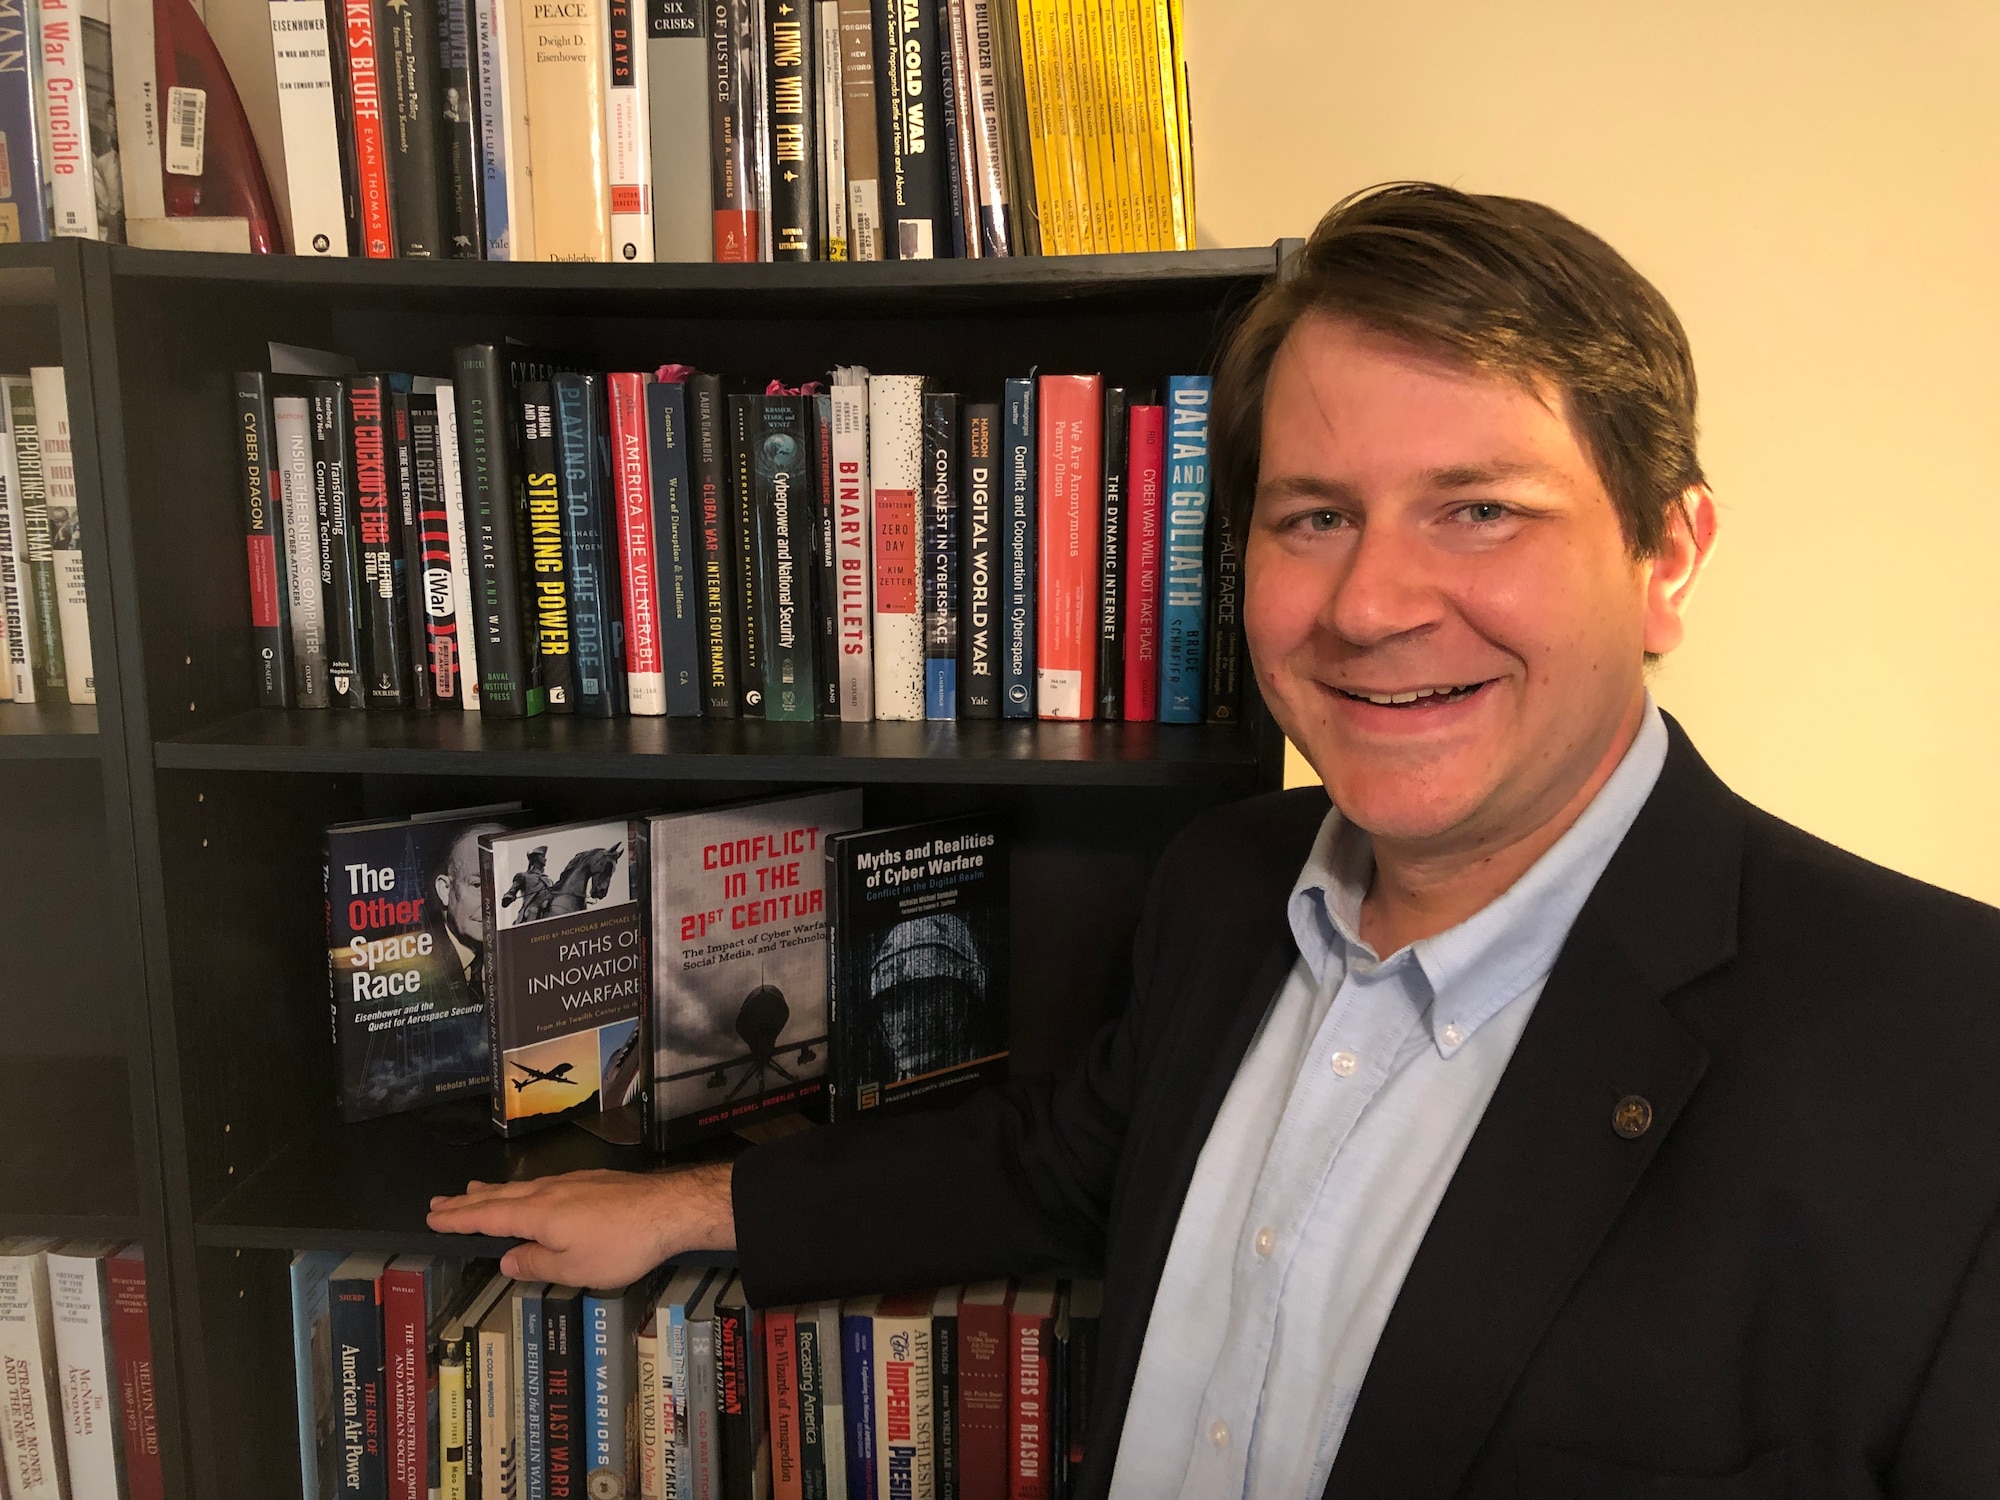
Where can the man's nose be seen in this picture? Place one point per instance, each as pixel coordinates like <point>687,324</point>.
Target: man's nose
<point>1386,590</point>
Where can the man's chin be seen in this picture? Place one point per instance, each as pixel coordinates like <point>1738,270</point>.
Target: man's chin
<point>1403,809</point>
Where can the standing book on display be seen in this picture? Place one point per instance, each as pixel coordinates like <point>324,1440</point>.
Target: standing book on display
<point>679,115</point>
<point>564,47</point>
<point>1113,558</point>
<point>737,227</point>
<point>1183,583</point>
<point>28,507</point>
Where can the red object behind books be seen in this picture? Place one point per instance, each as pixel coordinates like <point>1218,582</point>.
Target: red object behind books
<point>1032,1437</point>
<point>1147,457</point>
<point>1070,517</point>
<point>132,1354</point>
<point>232,184</point>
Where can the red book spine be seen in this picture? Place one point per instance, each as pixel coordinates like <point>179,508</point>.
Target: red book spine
<point>1030,1435</point>
<point>132,1350</point>
<point>403,1361</point>
<point>1147,454</point>
<point>1070,516</point>
<point>633,475</point>
<point>371,146</point>
<point>983,1401</point>
<point>781,1378</point>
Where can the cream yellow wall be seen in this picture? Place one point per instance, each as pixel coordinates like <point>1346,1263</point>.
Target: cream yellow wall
<point>1816,187</point>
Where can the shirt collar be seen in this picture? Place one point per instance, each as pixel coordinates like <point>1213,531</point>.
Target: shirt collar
<point>1475,969</point>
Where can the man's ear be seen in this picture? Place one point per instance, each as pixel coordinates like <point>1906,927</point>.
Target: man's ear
<point>1672,572</point>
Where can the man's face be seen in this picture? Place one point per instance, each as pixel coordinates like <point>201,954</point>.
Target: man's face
<point>1424,529</point>
<point>458,886</point>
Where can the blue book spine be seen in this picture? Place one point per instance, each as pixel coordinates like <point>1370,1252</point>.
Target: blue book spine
<point>599,1314</point>
<point>857,1375</point>
<point>674,547</point>
<point>310,1312</point>
<point>489,41</point>
<point>596,599</point>
<point>534,1389</point>
<point>1183,584</point>
<point>1017,569</point>
<point>24,204</point>
<point>677,1356</point>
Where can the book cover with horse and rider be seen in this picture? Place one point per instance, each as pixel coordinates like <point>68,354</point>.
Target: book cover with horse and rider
<point>565,921</point>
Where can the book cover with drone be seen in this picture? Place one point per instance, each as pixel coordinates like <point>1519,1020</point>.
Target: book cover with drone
<point>566,930</point>
<point>739,961</point>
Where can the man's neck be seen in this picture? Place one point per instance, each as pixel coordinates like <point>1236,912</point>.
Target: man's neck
<point>1417,891</point>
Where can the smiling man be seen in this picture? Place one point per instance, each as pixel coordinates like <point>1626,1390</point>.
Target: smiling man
<point>1537,1120</point>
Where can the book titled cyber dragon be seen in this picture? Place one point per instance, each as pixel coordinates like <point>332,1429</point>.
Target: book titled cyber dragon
<point>739,961</point>
<point>917,961</point>
<point>565,921</point>
<point>406,958</point>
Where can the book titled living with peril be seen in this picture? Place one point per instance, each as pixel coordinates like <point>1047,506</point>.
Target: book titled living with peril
<point>406,957</point>
<point>739,961</point>
<point>565,918</point>
<point>917,956</point>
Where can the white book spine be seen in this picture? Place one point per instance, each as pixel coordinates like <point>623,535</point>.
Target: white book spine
<point>30,1423</point>
<point>677,111</point>
<point>497,1474</point>
<point>853,554</point>
<point>13,598</point>
<point>490,56</point>
<point>452,481</point>
<point>834,1424</point>
<point>66,112</point>
<point>291,432</point>
<point>753,74</point>
<point>895,476</point>
<point>65,544</point>
<point>903,1458</point>
<point>83,1358</point>
<point>628,134</point>
<point>679,1371</point>
<point>988,143</point>
<point>136,87</point>
<point>832,106</point>
<point>306,102</point>
<point>513,59</point>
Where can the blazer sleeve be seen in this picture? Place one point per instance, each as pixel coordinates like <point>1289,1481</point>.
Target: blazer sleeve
<point>1951,1446</point>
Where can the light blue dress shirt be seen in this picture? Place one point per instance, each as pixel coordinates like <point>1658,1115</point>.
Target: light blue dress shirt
<point>1331,1153</point>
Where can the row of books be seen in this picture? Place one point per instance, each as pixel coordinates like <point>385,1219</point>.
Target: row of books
<point>77,1413</point>
<point>521,539</point>
<point>44,609</point>
<point>669,976</point>
<point>424,1376</point>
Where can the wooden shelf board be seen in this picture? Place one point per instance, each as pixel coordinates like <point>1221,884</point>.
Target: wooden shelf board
<point>27,275</point>
<point>66,1153</point>
<point>48,731</point>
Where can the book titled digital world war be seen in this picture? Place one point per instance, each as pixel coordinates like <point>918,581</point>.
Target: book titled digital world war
<point>917,955</point>
<point>406,958</point>
<point>566,925</point>
<point>739,961</point>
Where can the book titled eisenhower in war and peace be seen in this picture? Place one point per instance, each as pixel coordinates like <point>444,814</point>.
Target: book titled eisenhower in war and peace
<point>565,919</point>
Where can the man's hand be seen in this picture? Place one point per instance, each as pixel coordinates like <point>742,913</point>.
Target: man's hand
<point>596,1229</point>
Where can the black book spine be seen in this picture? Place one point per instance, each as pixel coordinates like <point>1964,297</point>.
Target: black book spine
<point>508,684</point>
<point>676,555</point>
<point>786,560</point>
<point>339,550</point>
<point>548,569</point>
<point>826,608</point>
<point>591,547</point>
<point>407,32</point>
<point>734,1401</point>
<point>947,111</point>
<point>458,118</point>
<point>563,1393</point>
<point>372,453</point>
<point>794,131</point>
<point>1224,688</point>
<point>979,597</point>
<point>354,1328</point>
<point>748,605</point>
<point>1111,560</point>
<point>721,654</point>
<point>944,1404</point>
<point>940,580</point>
<point>343,121</point>
<point>264,538</point>
<point>408,567</point>
<point>911,131</point>
<point>431,590</point>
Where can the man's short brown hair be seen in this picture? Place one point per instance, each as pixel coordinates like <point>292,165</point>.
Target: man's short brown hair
<point>1502,285</point>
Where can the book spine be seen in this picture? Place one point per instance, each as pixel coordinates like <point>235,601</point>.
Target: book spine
<point>521,235</point>
<point>564,46</point>
<point>292,469</point>
<point>407,41</point>
<point>979,606</point>
<point>944,1404</point>
<point>633,398</point>
<point>499,1471</point>
<point>432,556</point>
<point>562,1376</point>
<point>1223,689</point>
<point>489,52</point>
<point>15,599</point>
<point>596,610</point>
<point>534,1398</point>
<point>826,581</point>
<point>452,482</point>
<point>38,573</point>
<point>904,1416</point>
<point>704,1436</point>
<point>595,1394</point>
<point>1030,1446</point>
<point>546,568</point>
<point>895,467</point>
<point>679,119</point>
<point>78,1305</point>
<point>1070,468</point>
<point>1019,539</point>
<point>940,566</point>
<point>857,1371</point>
<point>734,1428</point>
<point>24,208</point>
<point>356,1314</point>
<point>853,553</point>
<point>451,1452</point>
<point>69,167</point>
<point>65,544</point>
<point>31,1455</point>
<point>917,223</point>
<point>653,1464</point>
<point>721,655</point>
<point>782,480</point>
<point>951,82</point>
<point>368,129</point>
<point>509,686</point>
<point>1183,586</point>
<point>372,460</point>
<point>859,115</point>
<point>407,569</point>
<point>737,229</point>
<point>830,125</point>
<point>793,144</point>
<point>463,189</point>
<point>815,1451</point>
<point>983,1403</point>
<point>302,50</point>
<point>747,598</point>
<point>1021,120</point>
<point>1146,466</point>
<point>340,550</point>
<point>671,534</point>
<point>136,87</point>
<point>781,1372</point>
<point>263,535</point>
<point>1112,559</point>
<point>628,136</point>
<point>403,1356</point>
<point>995,236</point>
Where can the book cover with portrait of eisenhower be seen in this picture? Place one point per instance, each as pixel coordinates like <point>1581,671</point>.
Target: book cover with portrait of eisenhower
<point>739,961</point>
<point>565,920</point>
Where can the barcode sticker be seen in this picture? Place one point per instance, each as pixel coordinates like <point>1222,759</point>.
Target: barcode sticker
<point>187,130</point>
<point>913,239</point>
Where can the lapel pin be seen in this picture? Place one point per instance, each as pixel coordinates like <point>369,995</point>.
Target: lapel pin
<point>1633,1117</point>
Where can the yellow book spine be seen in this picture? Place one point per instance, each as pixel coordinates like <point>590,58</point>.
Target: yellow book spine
<point>567,159</point>
<point>1147,57</point>
<point>1039,90</point>
<point>1131,95</point>
<point>1063,166</point>
<point>1186,116</point>
<point>1072,39</point>
<point>1170,93</point>
<point>1098,75</point>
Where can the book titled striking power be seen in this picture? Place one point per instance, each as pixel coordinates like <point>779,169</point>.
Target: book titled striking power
<point>566,938</point>
<point>1183,583</point>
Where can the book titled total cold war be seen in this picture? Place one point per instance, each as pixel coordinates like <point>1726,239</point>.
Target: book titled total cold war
<point>917,960</point>
<point>565,911</point>
<point>739,961</point>
<point>406,958</point>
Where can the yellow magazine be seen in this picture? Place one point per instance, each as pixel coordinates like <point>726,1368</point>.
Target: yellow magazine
<point>1186,119</point>
<point>1121,19</point>
<point>1170,98</point>
<point>1067,179</point>
<point>1146,55</point>
<point>1035,89</point>
<point>1086,136</point>
<point>1105,97</point>
<point>1025,189</point>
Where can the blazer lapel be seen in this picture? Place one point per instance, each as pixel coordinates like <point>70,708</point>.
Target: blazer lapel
<point>1547,1172</point>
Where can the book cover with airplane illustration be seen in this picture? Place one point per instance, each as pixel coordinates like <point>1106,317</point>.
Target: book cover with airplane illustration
<point>739,961</point>
<point>565,919</point>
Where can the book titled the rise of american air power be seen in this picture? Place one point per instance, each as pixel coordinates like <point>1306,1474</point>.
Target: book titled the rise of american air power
<point>406,958</point>
<point>566,924</point>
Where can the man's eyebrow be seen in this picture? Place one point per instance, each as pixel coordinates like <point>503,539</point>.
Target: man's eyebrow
<point>1305,487</point>
<point>1472,476</point>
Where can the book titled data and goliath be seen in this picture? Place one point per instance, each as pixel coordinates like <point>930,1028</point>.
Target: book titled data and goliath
<point>739,961</point>
<point>406,958</point>
<point>565,918</point>
<point>917,961</point>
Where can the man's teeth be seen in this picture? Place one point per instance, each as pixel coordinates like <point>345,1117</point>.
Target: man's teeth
<point>1388,699</point>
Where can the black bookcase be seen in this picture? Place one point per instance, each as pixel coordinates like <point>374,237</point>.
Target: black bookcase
<point>181,918</point>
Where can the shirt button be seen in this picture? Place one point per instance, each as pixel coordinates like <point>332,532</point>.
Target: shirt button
<point>1266,1238</point>
<point>1219,1433</point>
<point>1452,1035</point>
<point>1344,1063</point>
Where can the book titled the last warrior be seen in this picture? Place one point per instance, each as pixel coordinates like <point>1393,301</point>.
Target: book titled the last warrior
<point>565,929</point>
<point>917,960</point>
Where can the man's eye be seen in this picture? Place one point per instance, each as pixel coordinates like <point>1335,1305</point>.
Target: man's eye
<point>1322,520</point>
<point>1483,512</point>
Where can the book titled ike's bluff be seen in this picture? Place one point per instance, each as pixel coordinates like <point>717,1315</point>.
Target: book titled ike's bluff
<point>739,961</point>
<point>566,925</point>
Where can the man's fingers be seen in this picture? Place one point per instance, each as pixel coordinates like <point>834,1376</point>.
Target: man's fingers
<point>505,1219</point>
<point>532,1263</point>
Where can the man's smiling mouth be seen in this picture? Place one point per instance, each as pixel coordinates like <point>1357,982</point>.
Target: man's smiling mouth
<point>1410,697</point>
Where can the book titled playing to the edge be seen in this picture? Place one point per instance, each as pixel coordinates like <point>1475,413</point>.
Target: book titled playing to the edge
<point>917,960</point>
<point>565,925</point>
<point>739,960</point>
<point>406,958</point>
